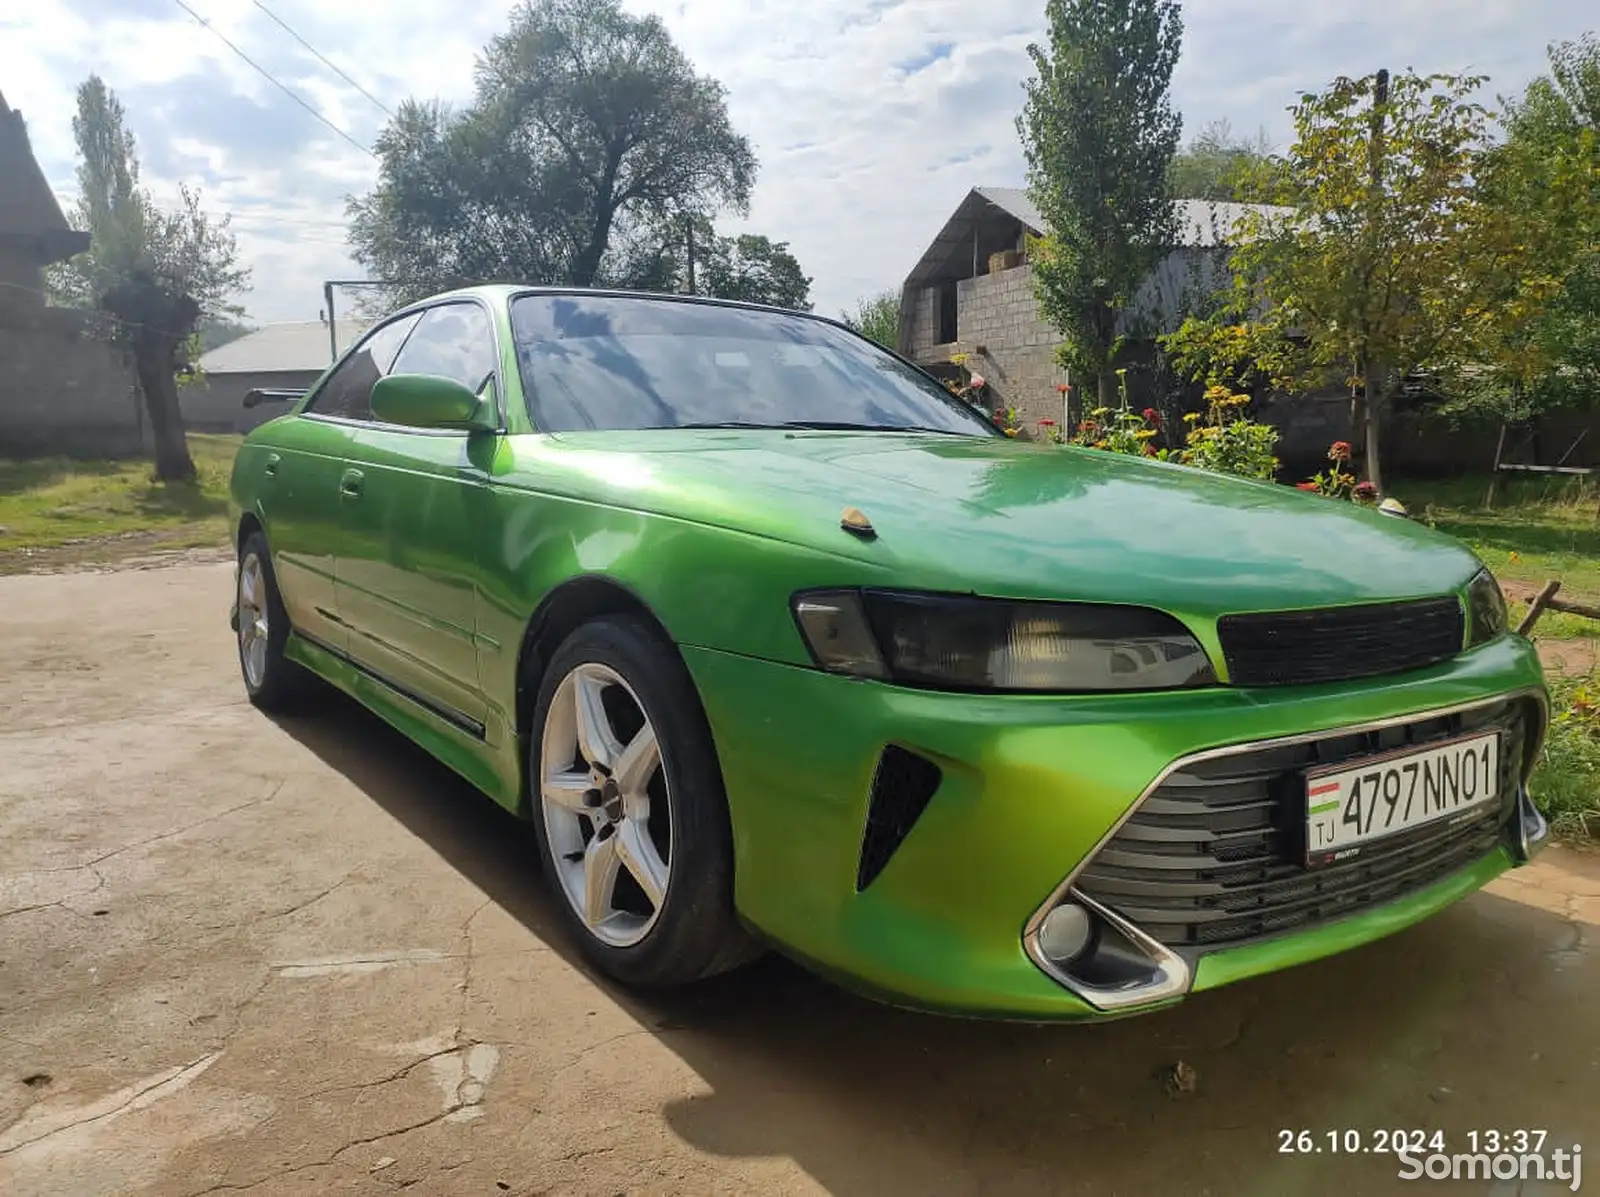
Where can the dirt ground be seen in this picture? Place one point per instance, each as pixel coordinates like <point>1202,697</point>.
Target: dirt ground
<point>299,957</point>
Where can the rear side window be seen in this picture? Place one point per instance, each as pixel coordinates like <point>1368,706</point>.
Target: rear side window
<point>348,391</point>
<point>454,341</point>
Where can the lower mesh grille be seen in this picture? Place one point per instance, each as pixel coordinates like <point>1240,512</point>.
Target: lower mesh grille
<point>902,787</point>
<point>1215,855</point>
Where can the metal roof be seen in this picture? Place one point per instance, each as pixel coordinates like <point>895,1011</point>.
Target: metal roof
<point>1201,224</point>
<point>292,348</point>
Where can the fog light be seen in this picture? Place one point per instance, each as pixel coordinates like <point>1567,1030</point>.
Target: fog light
<point>1065,933</point>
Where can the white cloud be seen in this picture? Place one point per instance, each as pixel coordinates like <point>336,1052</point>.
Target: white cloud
<point>871,118</point>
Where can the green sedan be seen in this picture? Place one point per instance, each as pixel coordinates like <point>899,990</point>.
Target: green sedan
<point>777,643</point>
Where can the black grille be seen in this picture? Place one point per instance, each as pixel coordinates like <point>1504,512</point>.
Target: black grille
<point>1336,644</point>
<point>902,786</point>
<point>1215,855</point>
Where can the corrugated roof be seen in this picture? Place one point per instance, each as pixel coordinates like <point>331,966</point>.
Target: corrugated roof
<point>1015,201</point>
<point>295,347</point>
<point>1201,223</point>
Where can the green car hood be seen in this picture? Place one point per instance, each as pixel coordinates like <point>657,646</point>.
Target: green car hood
<point>1000,517</point>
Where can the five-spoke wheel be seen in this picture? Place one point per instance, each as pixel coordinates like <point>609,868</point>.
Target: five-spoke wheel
<point>272,681</point>
<point>606,804</point>
<point>629,807</point>
<point>255,620</point>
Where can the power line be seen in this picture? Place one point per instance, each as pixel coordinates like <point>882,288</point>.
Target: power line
<point>270,78</point>
<point>284,26</point>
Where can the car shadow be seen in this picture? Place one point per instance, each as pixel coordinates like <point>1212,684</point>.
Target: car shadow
<point>1480,1017</point>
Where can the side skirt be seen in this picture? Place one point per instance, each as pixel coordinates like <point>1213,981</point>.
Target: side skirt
<point>453,739</point>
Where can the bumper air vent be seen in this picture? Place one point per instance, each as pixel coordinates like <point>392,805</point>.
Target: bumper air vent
<point>902,786</point>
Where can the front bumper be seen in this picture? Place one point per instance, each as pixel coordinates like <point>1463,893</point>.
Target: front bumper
<point>1030,787</point>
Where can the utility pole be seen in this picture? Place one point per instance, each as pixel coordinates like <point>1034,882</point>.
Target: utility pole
<point>333,339</point>
<point>1369,431</point>
<point>327,296</point>
<point>689,230</point>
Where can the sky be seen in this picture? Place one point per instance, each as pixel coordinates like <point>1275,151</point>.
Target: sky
<point>870,118</point>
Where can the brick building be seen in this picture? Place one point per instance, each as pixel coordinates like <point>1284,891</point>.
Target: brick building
<point>63,388</point>
<point>972,293</point>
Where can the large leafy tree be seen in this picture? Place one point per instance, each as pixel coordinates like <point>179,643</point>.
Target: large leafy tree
<point>877,318</point>
<point>1534,344</point>
<point>1215,162</point>
<point>1099,133</point>
<point>156,273</point>
<point>754,269</point>
<point>1374,255</point>
<point>589,141</point>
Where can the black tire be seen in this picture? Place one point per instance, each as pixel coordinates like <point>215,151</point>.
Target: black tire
<point>282,684</point>
<point>696,933</point>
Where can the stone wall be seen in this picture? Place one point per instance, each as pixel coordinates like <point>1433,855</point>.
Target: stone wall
<point>21,279</point>
<point>1000,330</point>
<point>997,319</point>
<point>63,390</point>
<point>924,323</point>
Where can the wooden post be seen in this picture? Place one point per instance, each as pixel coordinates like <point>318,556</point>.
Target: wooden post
<point>1582,609</point>
<point>1536,608</point>
<point>1494,476</point>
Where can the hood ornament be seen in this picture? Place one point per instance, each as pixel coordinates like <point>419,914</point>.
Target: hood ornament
<point>855,521</point>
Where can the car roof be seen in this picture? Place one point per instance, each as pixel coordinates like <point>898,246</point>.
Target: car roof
<point>505,292</point>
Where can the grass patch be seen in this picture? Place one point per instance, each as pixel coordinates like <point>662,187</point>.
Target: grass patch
<point>55,501</point>
<point>1540,528</point>
<point>1566,785</point>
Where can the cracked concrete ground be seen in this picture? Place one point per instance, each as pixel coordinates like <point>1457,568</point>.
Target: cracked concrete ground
<point>299,957</point>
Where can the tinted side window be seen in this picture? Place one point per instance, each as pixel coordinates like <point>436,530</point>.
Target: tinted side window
<point>348,390</point>
<point>453,341</point>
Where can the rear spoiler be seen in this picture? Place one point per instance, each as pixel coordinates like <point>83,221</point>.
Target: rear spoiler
<point>260,395</point>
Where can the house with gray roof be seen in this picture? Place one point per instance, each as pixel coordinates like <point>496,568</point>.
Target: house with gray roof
<point>971,293</point>
<point>285,357</point>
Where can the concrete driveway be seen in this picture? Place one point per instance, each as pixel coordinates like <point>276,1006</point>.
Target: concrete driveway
<point>299,957</point>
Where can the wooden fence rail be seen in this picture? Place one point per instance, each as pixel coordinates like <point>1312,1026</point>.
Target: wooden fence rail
<point>1546,600</point>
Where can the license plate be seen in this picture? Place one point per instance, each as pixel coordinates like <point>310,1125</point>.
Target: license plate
<point>1350,806</point>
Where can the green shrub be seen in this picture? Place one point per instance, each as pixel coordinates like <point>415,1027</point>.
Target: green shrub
<point>1566,785</point>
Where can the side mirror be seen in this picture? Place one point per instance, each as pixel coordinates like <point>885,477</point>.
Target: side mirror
<point>428,401</point>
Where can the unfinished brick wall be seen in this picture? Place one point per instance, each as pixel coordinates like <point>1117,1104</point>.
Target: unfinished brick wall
<point>998,326</point>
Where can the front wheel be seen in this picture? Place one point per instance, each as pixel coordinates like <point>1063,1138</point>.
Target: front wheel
<point>271,680</point>
<point>629,808</point>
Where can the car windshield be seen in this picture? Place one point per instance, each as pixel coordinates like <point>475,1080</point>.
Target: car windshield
<point>620,362</point>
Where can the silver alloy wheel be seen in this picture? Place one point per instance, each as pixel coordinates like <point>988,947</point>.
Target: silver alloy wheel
<point>253,625</point>
<point>606,805</point>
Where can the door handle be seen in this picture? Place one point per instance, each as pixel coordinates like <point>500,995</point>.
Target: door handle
<point>271,468</point>
<point>350,484</point>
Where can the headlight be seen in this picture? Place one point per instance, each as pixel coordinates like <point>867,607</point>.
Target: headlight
<point>954,642</point>
<point>1486,609</point>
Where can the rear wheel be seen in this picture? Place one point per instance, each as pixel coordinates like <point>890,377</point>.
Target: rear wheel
<point>630,811</point>
<point>272,681</point>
